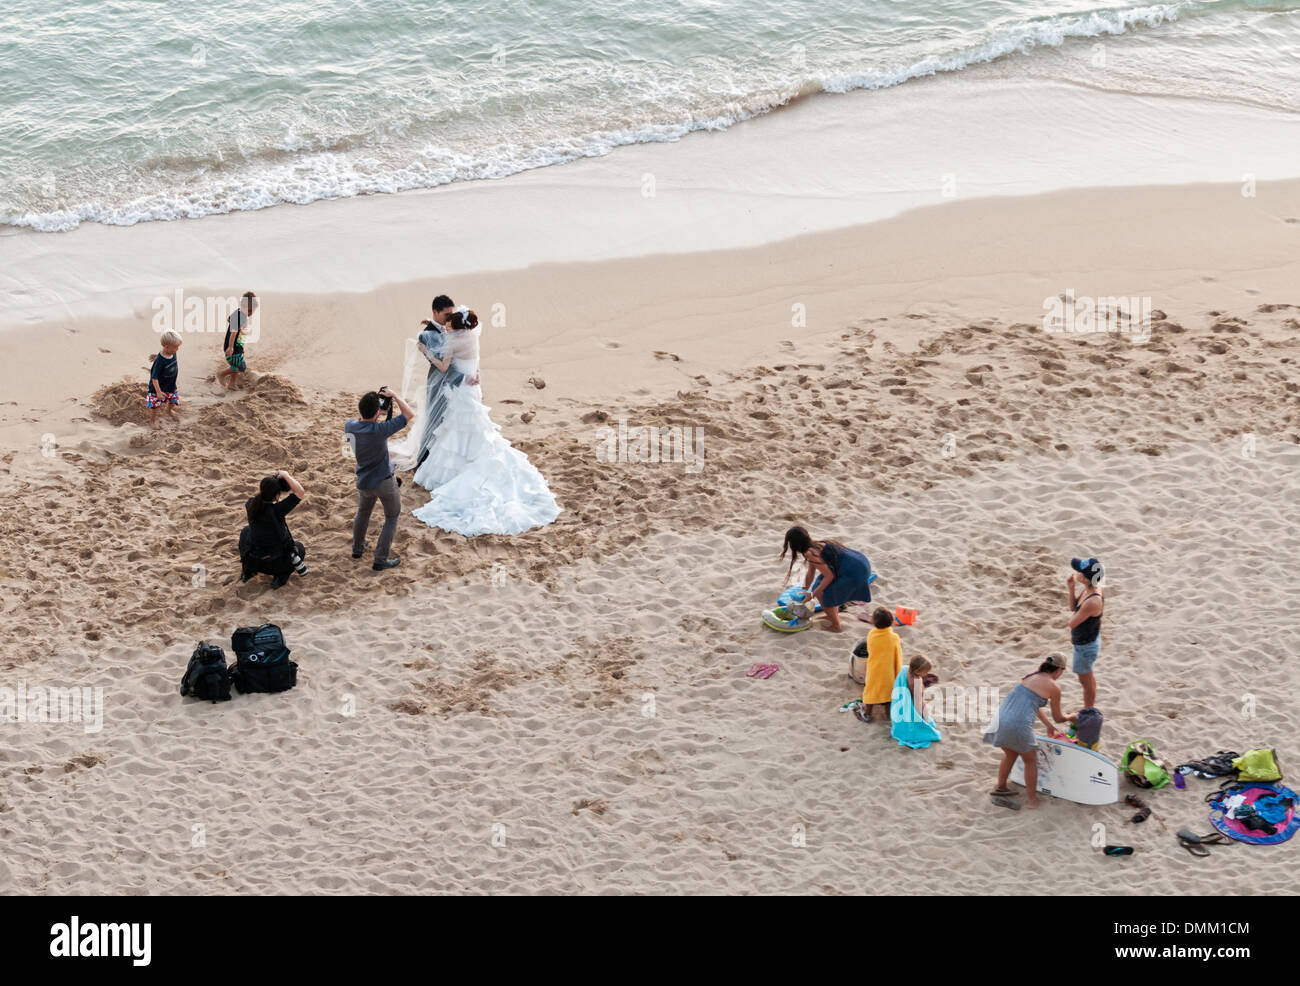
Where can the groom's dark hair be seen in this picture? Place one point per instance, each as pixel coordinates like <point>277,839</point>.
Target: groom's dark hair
<point>441,302</point>
<point>368,405</point>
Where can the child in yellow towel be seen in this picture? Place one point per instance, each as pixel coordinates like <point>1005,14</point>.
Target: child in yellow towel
<point>884,662</point>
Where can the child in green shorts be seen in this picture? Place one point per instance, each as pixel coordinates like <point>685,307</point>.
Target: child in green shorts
<point>234,346</point>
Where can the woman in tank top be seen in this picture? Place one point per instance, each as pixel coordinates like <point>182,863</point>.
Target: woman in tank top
<point>1086,602</point>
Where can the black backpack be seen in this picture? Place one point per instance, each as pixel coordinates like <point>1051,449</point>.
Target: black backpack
<point>262,660</point>
<point>207,677</point>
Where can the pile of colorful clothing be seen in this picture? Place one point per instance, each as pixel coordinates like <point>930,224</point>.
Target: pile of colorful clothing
<point>1256,812</point>
<point>1251,805</point>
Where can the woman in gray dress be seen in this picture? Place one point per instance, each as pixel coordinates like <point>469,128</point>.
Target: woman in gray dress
<point>1013,726</point>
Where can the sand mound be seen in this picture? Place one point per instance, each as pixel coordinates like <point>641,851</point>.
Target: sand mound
<point>121,403</point>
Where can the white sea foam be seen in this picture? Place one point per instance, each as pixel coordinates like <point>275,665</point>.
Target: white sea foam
<point>356,137</point>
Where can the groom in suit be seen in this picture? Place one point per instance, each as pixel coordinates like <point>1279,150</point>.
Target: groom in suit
<point>442,309</point>
<point>430,345</point>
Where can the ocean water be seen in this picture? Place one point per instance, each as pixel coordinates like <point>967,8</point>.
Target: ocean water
<point>124,111</point>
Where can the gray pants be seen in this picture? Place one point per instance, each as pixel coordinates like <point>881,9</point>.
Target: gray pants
<point>391,496</point>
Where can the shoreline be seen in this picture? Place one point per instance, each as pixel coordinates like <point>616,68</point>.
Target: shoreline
<point>829,162</point>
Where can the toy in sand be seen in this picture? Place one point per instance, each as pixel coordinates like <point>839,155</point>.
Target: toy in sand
<point>793,612</point>
<point>788,619</point>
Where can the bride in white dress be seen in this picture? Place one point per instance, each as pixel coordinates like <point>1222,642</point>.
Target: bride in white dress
<point>479,483</point>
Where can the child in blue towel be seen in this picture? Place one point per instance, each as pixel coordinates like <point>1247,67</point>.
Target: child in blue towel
<point>912,725</point>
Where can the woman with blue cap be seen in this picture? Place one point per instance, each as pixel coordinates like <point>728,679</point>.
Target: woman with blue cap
<point>1086,604</point>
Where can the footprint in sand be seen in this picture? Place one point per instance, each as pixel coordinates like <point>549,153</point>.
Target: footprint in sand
<point>672,356</point>
<point>606,343</point>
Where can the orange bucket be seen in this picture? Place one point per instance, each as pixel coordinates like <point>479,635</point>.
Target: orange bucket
<point>904,616</point>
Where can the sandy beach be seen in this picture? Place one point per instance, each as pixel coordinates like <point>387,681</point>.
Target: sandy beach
<point>567,711</point>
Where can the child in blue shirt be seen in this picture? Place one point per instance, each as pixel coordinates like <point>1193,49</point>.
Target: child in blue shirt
<point>162,379</point>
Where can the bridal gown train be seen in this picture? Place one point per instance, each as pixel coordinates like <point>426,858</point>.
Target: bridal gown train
<point>479,483</point>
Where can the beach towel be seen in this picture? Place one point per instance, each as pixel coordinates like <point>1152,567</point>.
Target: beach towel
<point>1273,802</point>
<point>908,727</point>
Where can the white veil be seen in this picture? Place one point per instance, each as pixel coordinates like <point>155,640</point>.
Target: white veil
<point>405,446</point>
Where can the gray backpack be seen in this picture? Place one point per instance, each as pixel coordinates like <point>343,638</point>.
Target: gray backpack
<point>1087,732</point>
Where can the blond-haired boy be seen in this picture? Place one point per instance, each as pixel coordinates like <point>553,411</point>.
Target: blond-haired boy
<point>162,379</point>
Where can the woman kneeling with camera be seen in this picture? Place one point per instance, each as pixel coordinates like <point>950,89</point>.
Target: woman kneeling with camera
<point>265,545</point>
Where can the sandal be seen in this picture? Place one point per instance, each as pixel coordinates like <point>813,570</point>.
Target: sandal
<point>1213,839</point>
<point>1144,811</point>
<point>1002,802</point>
<point>1003,792</point>
<point>1195,848</point>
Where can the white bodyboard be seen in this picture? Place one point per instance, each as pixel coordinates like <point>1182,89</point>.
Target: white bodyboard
<point>1074,773</point>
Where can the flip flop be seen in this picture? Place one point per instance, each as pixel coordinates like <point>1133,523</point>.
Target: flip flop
<point>754,669</point>
<point>1003,792</point>
<point>768,670</point>
<point>1118,850</point>
<point>850,706</point>
<point>1195,848</point>
<point>1002,802</point>
<point>1213,839</point>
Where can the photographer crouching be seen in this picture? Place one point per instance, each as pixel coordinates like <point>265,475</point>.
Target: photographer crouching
<point>265,545</point>
<point>368,437</point>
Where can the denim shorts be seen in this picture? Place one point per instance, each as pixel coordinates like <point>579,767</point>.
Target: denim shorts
<point>1085,656</point>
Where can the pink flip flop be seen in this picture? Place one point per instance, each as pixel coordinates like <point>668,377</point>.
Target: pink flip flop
<point>754,669</point>
<point>768,671</point>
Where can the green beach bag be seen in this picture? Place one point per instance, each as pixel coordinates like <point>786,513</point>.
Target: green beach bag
<point>1258,765</point>
<point>1142,767</point>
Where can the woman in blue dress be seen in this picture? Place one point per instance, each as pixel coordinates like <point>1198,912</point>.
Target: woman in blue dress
<point>835,575</point>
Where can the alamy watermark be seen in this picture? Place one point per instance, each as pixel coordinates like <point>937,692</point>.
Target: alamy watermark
<point>179,312</point>
<point>1085,315</point>
<point>650,443</point>
<point>75,939</point>
<point>41,704</point>
<point>956,704</point>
